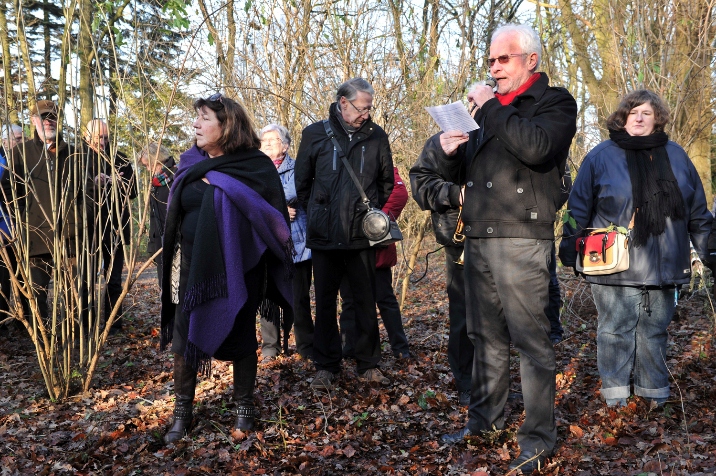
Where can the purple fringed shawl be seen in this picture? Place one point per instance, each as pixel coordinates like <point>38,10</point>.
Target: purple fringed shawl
<point>248,226</point>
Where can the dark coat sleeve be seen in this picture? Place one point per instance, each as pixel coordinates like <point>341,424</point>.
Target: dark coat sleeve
<point>435,178</point>
<point>305,170</point>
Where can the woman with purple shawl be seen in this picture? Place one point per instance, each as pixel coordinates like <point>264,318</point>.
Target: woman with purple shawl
<point>227,254</point>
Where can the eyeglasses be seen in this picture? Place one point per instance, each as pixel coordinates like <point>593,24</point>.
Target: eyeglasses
<point>270,141</point>
<point>361,111</point>
<point>504,59</point>
<point>19,138</point>
<point>215,97</point>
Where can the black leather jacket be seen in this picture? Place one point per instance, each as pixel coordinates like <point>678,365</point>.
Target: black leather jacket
<point>435,186</point>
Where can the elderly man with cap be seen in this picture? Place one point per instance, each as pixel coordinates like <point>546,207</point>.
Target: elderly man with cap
<point>114,187</point>
<point>45,193</point>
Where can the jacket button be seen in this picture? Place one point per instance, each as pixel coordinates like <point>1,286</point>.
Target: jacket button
<point>468,228</point>
<point>469,184</point>
<point>489,229</point>
<point>519,190</point>
<point>489,184</point>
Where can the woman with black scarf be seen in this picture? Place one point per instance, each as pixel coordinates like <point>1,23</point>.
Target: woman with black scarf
<point>639,173</point>
<point>227,254</point>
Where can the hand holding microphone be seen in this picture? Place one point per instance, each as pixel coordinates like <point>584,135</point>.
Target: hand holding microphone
<point>480,93</point>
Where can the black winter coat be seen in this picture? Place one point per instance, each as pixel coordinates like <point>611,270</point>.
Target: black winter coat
<point>515,162</point>
<point>158,203</point>
<point>112,199</point>
<point>435,186</point>
<point>602,195</point>
<point>325,189</point>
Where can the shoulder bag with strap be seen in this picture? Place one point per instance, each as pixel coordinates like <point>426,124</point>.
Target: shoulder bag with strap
<point>378,227</point>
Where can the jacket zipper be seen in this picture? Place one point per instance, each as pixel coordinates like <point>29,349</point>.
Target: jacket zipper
<point>335,157</point>
<point>362,159</point>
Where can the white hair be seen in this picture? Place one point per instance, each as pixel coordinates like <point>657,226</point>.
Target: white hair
<point>11,129</point>
<point>528,38</point>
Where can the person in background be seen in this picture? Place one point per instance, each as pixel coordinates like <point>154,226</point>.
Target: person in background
<point>335,215</point>
<point>12,135</point>
<point>41,171</point>
<point>275,142</point>
<point>227,253</point>
<point>639,174</point>
<point>432,184</point>
<point>159,161</point>
<point>114,188</point>
<point>385,258</point>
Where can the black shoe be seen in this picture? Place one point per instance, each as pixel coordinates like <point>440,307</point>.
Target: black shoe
<point>403,355</point>
<point>528,461</point>
<point>555,338</point>
<point>453,438</point>
<point>245,417</point>
<point>464,398</point>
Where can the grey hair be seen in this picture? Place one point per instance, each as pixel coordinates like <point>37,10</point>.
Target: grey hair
<point>151,150</point>
<point>280,130</point>
<point>11,129</point>
<point>528,38</point>
<point>350,89</point>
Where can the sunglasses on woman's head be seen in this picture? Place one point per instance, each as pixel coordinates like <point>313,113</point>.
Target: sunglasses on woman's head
<point>215,97</point>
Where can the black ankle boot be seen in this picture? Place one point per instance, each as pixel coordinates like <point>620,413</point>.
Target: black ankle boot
<point>244,381</point>
<point>184,387</point>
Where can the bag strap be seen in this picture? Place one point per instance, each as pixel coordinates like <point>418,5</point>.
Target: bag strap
<point>346,164</point>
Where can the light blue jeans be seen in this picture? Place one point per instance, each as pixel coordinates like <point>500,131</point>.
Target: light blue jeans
<point>631,336</point>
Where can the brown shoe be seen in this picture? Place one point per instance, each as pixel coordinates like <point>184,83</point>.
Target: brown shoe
<point>374,376</point>
<point>323,380</point>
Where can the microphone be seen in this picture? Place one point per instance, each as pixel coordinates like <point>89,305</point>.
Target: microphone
<point>490,81</point>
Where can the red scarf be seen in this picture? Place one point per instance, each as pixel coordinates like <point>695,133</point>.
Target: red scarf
<point>506,99</point>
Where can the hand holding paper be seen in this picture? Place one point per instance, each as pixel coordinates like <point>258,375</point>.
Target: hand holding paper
<point>453,117</point>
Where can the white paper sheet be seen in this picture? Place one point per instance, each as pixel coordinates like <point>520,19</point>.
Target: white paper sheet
<point>453,117</point>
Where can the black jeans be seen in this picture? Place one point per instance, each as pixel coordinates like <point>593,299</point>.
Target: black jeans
<point>389,313</point>
<point>507,291</point>
<point>301,318</point>
<point>329,268</point>
<point>460,350</point>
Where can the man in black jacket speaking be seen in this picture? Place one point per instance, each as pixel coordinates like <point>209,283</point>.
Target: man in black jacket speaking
<point>335,215</point>
<point>513,167</point>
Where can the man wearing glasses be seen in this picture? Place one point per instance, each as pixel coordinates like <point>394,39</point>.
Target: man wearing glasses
<point>114,187</point>
<point>335,215</point>
<point>11,136</point>
<point>513,167</point>
<point>45,195</point>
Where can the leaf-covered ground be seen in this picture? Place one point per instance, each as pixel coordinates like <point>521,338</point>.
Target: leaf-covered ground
<point>117,427</point>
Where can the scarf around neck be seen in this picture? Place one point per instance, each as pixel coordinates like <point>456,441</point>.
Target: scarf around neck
<point>655,192</point>
<point>243,218</point>
<point>506,99</point>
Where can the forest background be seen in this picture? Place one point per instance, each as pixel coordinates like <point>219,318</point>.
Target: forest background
<point>140,64</point>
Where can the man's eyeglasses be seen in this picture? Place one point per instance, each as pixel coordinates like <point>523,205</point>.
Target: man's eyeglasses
<point>504,59</point>
<point>361,111</point>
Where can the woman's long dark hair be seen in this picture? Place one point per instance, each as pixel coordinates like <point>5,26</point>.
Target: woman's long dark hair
<point>237,131</point>
<point>617,120</point>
